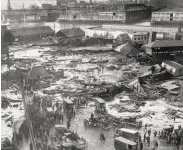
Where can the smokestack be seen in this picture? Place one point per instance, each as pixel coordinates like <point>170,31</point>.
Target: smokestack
<point>90,1</point>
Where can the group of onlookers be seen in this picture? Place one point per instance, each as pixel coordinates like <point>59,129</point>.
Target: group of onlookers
<point>171,135</point>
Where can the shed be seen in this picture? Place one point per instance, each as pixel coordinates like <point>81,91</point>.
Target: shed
<point>165,50</point>
<point>165,43</point>
<point>33,32</point>
<point>71,33</point>
<point>168,46</point>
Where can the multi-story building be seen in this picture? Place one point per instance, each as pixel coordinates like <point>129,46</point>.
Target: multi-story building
<point>123,1</point>
<point>167,17</point>
<point>87,13</point>
<point>105,13</point>
<point>48,12</point>
<point>60,2</point>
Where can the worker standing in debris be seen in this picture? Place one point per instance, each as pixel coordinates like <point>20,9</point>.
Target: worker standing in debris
<point>102,137</point>
<point>141,145</point>
<point>68,125</point>
<point>92,116</point>
<point>178,141</point>
<point>155,147</point>
<point>174,118</point>
<point>155,133</point>
<point>145,128</point>
<point>148,140</point>
<point>144,137</point>
<point>76,122</point>
<point>149,132</point>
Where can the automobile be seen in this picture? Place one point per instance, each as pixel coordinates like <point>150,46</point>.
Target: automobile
<point>60,129</point>
<point>68,104</point>
<point>121,143</point>
<point>129,134</point>
<point>100,105</point>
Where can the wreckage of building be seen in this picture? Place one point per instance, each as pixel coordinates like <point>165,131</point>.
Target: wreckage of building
<point>173,68</point>
<point>165,50</point>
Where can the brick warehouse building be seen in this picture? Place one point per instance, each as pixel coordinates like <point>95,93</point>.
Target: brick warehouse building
<point>105,13</point>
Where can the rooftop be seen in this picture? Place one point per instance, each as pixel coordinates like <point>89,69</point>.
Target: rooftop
<point>37,71</point>
<point>124,140</point>
<point>74,32</point>
<point>174,64</point>
<point>32,31</point>
<point>116,29</point>
<point>165,43</point>
<point>100,100</point>
<point>68,101</point>
<point>178,9</point>
<point>47,6</point>
<point>128,130</point>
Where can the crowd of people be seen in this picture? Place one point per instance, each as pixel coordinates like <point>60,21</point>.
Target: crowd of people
<point>171,135</point>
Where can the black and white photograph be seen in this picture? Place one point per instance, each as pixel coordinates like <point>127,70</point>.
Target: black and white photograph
<point>91,75</point>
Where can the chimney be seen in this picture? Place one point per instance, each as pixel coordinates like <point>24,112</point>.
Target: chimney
<point>90,1</point>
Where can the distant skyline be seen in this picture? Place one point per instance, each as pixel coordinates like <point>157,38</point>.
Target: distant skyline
<point>18,4</point>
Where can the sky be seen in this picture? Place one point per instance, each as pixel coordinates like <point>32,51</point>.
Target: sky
<point>18,4</point>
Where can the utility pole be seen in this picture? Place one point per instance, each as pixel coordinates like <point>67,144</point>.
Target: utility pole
<point>24,14</point>
<point>9,5</point>
<point>26,110</point>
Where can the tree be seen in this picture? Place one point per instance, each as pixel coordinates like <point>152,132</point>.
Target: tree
<point>34,7</point>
